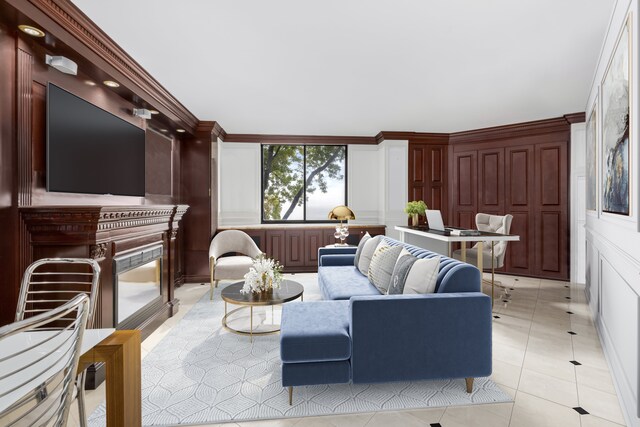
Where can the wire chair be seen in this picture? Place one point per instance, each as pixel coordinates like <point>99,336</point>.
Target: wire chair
<point>38,366</point>
<point>51,282</point>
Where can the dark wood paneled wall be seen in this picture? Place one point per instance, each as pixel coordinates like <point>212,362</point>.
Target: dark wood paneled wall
<point>296,248</point>
<point>518,169</point>
<point>522,171</point>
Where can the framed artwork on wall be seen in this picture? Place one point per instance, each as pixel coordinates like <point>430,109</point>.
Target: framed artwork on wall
<point>591,160</point>
<point>616,114</point>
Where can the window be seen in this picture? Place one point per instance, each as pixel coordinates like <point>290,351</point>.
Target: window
<point>302,183</point>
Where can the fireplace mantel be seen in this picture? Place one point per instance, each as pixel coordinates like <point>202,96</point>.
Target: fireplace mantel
<point>103,232</point>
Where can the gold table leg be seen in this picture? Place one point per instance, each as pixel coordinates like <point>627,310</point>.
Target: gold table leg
<point>463,251</point>
<point>251,324</point>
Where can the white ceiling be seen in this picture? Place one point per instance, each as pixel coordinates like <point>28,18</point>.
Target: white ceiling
<point>344,67</point>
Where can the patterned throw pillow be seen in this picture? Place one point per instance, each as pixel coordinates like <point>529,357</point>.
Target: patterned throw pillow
<point>412,275</point>
<point>367,252</point>
<point>400,273</point>
<point>382,264</point>
<point>364,239</point>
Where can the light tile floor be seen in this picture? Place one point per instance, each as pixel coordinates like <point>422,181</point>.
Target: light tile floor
<point>532,350</point>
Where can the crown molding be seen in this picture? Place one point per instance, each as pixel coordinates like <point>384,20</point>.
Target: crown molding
<point>300,139</point>
<point>538,127</point>
<point>574,118</point>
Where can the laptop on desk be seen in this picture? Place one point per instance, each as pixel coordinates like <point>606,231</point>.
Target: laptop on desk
<point>436,224</point>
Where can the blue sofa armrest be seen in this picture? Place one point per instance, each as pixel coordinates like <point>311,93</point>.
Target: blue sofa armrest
<point>419,337</point>
<point>336,260</point>
<point>336,255</point>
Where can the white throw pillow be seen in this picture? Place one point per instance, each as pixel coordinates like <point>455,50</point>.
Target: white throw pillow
<point>364,240</point>
<point>423,276</point>
<point>368,250</point>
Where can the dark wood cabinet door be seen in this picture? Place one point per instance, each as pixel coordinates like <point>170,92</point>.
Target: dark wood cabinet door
<point>294,248</point>
<point>465,189</point>
<point>491,181</point>
<point>552,227</point>
<point>276,245</point>
<point>428,175</point>
<point>312,241</point>
<point>519,201</point>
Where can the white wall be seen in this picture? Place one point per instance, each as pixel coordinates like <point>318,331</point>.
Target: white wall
<point>394,167</point>
<point>578,202</point>
<point>376,183</point>
<point>613,243</point>
<point>239,184</point>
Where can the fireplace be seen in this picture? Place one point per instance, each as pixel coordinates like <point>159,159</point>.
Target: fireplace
<point>137,285</point>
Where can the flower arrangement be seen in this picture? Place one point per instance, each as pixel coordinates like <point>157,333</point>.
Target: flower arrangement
<point>264,275</point>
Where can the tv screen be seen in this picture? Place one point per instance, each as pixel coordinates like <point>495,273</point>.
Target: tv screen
<point>89,150</point>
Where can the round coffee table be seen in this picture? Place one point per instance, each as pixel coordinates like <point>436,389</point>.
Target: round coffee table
<point>288,291</point>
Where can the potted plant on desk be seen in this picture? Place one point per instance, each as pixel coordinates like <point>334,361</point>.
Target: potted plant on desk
<point>414,209</point>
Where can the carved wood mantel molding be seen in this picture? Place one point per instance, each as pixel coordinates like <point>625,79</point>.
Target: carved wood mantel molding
<point>96,223</point>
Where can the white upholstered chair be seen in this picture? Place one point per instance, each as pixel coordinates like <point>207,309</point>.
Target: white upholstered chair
<point>231,267</point>
<point>495,256</point>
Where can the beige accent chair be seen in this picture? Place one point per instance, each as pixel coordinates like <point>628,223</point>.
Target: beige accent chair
<point>495,224</point>
<point>231,267</point>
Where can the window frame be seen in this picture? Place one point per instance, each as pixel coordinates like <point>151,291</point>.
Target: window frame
<point>304,203</point>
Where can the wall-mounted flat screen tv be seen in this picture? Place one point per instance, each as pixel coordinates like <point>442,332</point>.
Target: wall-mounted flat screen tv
<point>90,150</point>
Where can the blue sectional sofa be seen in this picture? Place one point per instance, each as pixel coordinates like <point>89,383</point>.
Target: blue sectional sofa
<point>356,334</point>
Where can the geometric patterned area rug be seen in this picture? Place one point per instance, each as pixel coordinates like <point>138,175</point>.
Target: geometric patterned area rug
<point>201,373</point>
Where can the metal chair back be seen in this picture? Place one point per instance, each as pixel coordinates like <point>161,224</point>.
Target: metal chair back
<point>51,282</point>
<point>38,366</point>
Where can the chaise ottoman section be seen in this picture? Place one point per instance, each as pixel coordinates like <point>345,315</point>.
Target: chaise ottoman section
<point>315,346</point>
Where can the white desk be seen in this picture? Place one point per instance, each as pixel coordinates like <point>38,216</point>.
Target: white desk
<point>440,243</point>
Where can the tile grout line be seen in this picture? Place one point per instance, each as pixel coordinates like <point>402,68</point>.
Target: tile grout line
<point>525,356</point>
<point>573,353</point>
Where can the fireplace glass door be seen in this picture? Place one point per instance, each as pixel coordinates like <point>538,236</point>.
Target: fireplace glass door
<point>138,282</point>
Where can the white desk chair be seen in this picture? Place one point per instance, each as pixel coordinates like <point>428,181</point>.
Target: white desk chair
<point>36,380</point>
<point>493,253</point>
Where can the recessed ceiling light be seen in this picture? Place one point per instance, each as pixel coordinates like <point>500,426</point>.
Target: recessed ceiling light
<point>32,31</point>
<point>89,83</point>
<point>180,130</point>
<point>154,112</point>
<point>111,83</point>
<point>163,130</point>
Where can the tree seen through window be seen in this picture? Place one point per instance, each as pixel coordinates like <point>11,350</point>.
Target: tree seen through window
<point>302,183</point>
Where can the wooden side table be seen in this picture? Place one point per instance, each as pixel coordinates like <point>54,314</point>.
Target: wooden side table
<point>120,352</point>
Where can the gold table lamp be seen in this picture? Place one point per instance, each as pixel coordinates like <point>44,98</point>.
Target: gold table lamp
<point>342,213</point>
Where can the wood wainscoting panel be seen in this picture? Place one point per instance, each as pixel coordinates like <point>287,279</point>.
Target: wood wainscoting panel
<point>491,181</point>
<point>276,245</point>
<point>312,241</point>
<point>552,209</point>
<point>294,253</point>
<point>519,201</point>
<point>465,180</point>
